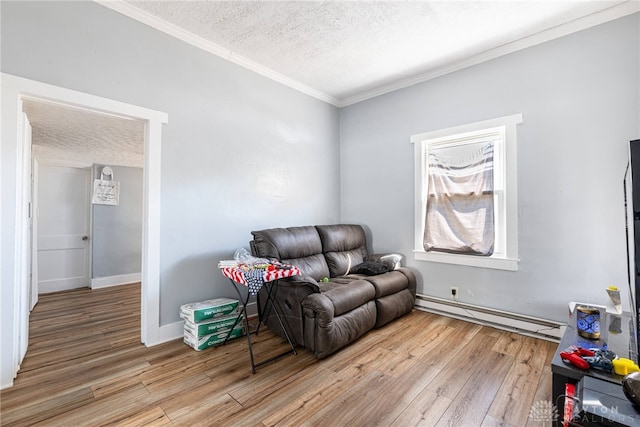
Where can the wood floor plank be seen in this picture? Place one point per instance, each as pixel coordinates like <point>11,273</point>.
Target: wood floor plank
<point>515,397</point>
<point>271,379</point>
<point>86,375</point>
<point>508,343</point>
<point>73,349</point>
<point>354,402</point>
<point>334,385</point>
<point>441,354</point>
<point>395,365</point>
<point>154,417</point>
<point>544,395</point>
<point>186,364</point>
<point>425,339</point>
<point>200,407</point>
<point>114,385</point>
<point>454,375</point>
<point>112,409</point>
<point>490,421</point>
<point>32,412</point>
<point>295,412</point>
<point>401,333</point>
<point>108,359</point>
<point>85,366</point>
<point>383,411</point>
<point>425,410</point>
<point>350,355</point>
<point>254,414</point>
<point>473,401</point>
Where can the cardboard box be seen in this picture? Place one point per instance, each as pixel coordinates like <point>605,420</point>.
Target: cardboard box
<point>198,311</point>
<point>212,326</point>
<point>202,343</point>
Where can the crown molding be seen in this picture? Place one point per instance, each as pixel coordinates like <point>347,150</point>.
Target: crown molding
<point>139,15</point>
<point>618,11</point>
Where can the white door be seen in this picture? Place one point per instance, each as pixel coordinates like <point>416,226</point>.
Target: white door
<point>23,296</point>
<point>34,235</point>
<point>64,201</point>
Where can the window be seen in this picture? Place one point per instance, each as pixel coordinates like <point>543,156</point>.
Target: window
<point>475,223</point>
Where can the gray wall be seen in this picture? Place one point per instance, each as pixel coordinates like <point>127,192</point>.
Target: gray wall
<point>580,98</point>
<point>116,238</point>
<point>240,152</point>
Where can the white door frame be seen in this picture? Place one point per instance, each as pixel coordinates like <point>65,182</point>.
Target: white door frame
<point>14,90</point>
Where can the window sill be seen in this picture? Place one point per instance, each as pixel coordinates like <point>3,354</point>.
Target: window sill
<point>494,262</point>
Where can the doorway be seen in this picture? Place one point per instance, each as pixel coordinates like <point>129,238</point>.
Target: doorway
<point>84,240</point>
<point>16,285</point>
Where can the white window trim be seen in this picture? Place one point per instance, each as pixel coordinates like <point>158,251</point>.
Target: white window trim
<point>505,261</point>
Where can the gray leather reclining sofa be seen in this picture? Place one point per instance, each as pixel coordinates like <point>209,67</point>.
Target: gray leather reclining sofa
<point>322,315</point>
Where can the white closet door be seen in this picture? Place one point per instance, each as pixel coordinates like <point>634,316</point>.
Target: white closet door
<point>64,201</point>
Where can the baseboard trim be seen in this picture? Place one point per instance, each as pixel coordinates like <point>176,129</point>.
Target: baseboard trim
<point>169,332</point>
<point>518,323</point>
<point>122,279</point>
<point>535,327</point>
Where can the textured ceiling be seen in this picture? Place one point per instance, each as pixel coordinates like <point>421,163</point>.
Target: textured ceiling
<point>346,48</point>
<point>338,51</point>
<point>70,134</point>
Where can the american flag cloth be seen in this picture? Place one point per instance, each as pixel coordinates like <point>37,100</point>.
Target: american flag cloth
<point>255,277</point>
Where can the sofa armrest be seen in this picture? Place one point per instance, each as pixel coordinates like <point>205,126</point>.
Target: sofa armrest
<point>302,281</point>
<point>319,307</point>
<point>392,260</point>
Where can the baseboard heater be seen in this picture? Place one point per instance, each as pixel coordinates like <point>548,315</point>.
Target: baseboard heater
<point>521,324</point>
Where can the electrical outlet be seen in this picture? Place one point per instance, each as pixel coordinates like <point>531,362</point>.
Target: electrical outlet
<point>454,292</point>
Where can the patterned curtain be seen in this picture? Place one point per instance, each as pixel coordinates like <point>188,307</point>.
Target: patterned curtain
<point>460,200</point>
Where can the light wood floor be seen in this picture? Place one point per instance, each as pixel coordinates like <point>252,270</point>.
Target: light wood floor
<point>86,367</point>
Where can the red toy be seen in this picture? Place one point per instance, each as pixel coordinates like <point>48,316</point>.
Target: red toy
<point>574,356</point>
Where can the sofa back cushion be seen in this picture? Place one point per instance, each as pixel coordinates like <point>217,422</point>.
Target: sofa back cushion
<point>344,246</point>
<point>299,246</point>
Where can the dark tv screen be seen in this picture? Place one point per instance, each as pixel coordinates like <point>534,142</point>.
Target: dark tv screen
<point>632,225</point>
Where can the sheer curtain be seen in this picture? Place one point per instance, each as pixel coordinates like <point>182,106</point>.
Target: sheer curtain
<point>460,203</point>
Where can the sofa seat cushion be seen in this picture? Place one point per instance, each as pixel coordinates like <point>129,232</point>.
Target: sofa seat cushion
<point>347,296</point>
<point>387,283</point>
